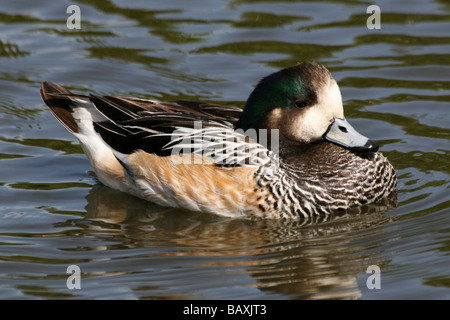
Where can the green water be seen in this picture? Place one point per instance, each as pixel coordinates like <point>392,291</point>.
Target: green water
<point>53,214</point>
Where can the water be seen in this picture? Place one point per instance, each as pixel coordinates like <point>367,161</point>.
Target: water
<point>53,214</point>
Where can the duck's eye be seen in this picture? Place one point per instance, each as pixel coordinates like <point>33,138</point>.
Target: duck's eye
<point>300,104</point>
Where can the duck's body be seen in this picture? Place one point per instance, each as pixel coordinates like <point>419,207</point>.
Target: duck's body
<point>199,156</point>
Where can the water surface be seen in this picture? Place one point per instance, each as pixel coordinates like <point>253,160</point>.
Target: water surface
<point>53,213</point>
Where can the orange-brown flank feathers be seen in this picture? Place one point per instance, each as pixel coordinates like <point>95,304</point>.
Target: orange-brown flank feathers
<point>176,181</point>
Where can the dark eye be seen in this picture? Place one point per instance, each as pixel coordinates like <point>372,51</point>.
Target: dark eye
<point>300,104</point>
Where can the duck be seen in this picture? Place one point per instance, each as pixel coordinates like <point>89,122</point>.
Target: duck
<point>289,153</point>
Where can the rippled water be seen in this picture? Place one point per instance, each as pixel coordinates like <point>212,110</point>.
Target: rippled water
<point>395,86</point>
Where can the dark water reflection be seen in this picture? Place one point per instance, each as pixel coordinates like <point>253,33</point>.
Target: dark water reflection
<point>394,83</point>
<point>303,259</point>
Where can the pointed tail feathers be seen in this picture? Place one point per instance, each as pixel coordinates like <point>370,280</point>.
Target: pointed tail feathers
<point>56,98</point>
<point>79,115</point>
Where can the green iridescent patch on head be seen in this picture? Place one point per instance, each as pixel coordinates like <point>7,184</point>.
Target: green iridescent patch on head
<point>282,89</point>
<point>278,90</point>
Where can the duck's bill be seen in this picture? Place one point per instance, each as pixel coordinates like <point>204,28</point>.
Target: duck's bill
<point>342,133</point>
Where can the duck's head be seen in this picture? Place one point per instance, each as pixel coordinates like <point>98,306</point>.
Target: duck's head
<point>304,102</point>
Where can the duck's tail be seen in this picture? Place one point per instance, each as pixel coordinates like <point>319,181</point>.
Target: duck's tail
<point>56,98</point>
<point>78,114</point>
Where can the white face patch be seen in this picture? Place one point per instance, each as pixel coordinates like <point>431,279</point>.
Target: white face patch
<point>331,98</point>
<point>310,125</point>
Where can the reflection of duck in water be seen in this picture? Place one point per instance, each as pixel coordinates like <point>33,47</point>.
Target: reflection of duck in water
<point>319,164</point>
<point>279,258</point>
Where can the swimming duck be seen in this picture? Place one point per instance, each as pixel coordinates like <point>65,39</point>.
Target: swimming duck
<point>289,153</point>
